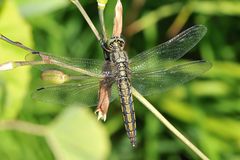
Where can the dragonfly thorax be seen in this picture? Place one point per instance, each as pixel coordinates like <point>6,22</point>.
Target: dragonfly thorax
<point>118,57</point>
<point>116,47</point>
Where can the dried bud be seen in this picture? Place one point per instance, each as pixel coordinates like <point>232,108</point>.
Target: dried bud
<point>117,28</point>
<point>102,3</point>
<point>103,102</point>
<point>7,66</point>
<point>54,76</point>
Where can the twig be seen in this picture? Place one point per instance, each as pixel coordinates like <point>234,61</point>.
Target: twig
<point>168,124</point>
<point>54,146</point>
<point>86,17</point>
<point>101,8</point>
<point>22,126</point>
<point>34,129</point>
<point>179,21</point>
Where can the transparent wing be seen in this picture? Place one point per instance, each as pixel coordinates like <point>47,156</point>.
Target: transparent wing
<point>163,79</point>
<point>68,65</point>
<point>83,92</point>
<point>164,54</point>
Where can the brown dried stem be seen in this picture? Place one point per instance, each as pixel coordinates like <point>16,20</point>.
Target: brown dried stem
<point>117,28</point>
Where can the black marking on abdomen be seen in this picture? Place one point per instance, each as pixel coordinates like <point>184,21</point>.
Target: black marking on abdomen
<point>127,106</point>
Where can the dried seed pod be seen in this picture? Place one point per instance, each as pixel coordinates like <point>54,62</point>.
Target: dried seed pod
<point>7,66</point>
<point>117,28</point>
<point>102,3</point>
<point>54,76</point>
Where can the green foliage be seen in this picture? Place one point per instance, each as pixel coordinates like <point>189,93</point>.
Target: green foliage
<point>13,88</point>
<point>70,137</point>
<point>28,8</point>
<point>206,109</point>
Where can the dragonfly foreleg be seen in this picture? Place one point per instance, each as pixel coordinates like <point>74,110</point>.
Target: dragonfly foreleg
<point>106,50</point>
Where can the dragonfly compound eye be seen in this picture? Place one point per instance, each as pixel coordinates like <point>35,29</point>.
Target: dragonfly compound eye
<point>121,42</point>
<point>112,43</point>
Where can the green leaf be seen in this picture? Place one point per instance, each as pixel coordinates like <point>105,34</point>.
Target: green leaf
<point>13,84</point>
<point>31,8</point>
<point>216,7</point>
<point>76,134</point>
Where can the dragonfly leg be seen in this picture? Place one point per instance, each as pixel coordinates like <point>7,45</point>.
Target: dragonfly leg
<point>106,50</point>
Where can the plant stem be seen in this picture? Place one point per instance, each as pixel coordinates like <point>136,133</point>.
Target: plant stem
<point>152,17</point>
<point>86,17</point>
<point>22,126</point>
<point>168,124</point>
<point>54,146</point>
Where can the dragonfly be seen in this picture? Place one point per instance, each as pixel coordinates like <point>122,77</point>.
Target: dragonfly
<point>98,82</point>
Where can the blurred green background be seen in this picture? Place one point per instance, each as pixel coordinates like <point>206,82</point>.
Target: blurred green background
<point>206,110</point>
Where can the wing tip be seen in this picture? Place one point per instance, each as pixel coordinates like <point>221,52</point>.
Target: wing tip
<point>207,65</point>
<point>200,28</point>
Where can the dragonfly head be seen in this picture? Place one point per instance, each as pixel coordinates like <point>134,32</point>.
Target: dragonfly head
<point>116,43</point>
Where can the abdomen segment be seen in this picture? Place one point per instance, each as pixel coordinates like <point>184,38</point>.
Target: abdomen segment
<point>127,107</point>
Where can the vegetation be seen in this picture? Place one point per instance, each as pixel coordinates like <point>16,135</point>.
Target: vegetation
<point>206,110</point>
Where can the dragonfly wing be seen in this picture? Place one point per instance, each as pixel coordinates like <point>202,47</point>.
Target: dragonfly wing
<point>114,92</point>
<point>163,54</point>
<point>164,79</point>
<point>65,64</point>
<point>83,92</point>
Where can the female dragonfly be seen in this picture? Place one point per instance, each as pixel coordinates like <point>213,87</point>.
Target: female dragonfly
<point>97,83</point>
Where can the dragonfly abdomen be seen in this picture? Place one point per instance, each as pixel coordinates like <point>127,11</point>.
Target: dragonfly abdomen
<point>122,76</point>
<point>126,99</point>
